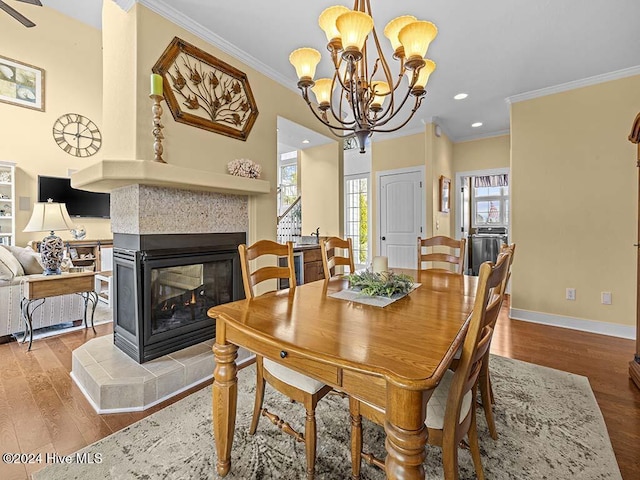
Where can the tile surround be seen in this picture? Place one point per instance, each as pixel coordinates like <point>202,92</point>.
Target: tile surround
<point>144,209</point>
<point>113,382</point>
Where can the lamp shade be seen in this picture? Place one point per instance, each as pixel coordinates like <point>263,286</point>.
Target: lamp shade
<point>322,90</point>
<point>327,21</point>
<point>49,216</point>
<point>424,73</point>
<point>305,61</point>
<point>354,28</point>
<point>393,28</point>
<point>380,90</point>
<point>416,37</point>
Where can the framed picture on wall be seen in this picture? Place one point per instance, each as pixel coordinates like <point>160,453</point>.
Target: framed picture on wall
<point>21,84</point>
<point>445,190</point>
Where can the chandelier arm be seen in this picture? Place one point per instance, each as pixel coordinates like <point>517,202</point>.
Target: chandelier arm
<point>393,114</point>
<point>385,69</point>
<point>322,120</point>
<point>413,111</point>
<point>333,112</point>
<point>400,75</point>
<point>354,103</point>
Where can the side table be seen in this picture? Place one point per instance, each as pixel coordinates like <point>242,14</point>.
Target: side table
<point>38,288</point>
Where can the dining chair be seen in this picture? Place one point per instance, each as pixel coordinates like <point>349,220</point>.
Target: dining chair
<point>296,386</point>
<point>451,409</point>
<point>432,255</point>
<point>330,259</point>
<point>484,379</point>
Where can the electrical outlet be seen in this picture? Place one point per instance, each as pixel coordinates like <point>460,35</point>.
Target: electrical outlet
<point>571,294</point>
<point>605,298</point>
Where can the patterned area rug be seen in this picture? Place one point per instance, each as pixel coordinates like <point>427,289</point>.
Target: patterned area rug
<point>549,424</point>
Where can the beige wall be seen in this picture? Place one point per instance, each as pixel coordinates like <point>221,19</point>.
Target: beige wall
<point>482,154</point>
<point>192,147</point>
<point>70,54</point>
<point>574,198</point>
<point>403,152</point>
<point>319,182</point>
<point>439,163</point>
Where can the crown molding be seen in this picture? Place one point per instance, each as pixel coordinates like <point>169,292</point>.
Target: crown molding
<point>163,9</point>
<point>585,82</point>
<point>480,136</point>
<point>125,5</point>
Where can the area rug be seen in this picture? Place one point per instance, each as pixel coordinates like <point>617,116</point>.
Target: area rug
<point>549,424</point>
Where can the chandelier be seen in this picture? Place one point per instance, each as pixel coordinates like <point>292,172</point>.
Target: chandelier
<point>369,94</point>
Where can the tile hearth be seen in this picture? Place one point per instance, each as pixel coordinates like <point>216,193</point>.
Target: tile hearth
<point>113,382</point>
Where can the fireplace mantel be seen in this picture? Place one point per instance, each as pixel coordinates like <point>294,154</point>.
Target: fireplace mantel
<point>108,175</point>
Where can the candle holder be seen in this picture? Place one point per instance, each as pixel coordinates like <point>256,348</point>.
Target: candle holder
<point>156,109</point>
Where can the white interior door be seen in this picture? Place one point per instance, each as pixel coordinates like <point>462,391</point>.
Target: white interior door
<point>400,202</point>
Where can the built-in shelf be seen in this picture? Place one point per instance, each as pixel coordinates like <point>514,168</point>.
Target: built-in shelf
<point>108,175</point>
<point>8,189</point>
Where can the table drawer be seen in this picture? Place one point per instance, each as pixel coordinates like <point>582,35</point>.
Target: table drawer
<point>370,388</point>
<point>294,360</point>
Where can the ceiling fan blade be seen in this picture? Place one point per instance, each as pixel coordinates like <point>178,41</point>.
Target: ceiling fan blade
<point>32,2</point>
<point>17,15</point>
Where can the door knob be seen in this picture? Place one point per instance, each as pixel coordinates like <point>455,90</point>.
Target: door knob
<point>384,238</point>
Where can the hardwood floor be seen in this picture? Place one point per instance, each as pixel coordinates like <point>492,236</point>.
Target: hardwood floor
<point>42,410</point>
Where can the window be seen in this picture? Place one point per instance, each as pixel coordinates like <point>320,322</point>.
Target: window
<point>287,180</point>
<point>490,206</point>
<point>357,216</point>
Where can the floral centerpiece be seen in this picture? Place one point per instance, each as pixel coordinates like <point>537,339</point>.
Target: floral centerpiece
<point>243,167</point>
<point>385,284</point>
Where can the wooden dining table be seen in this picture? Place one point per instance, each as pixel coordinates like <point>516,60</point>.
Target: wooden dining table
<point>393,356</point>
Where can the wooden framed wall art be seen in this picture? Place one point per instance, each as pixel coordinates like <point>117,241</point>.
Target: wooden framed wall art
<point>21,84</point>
<point>205,92</point>
<point>445,193</point>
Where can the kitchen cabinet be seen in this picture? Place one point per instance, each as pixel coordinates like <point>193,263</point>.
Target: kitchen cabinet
<point>312,261</point>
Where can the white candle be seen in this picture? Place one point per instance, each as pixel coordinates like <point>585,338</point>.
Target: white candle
<point>380,264</point>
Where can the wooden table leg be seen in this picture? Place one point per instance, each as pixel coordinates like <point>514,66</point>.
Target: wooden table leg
<point>225,395</point>
<point>406,433</point>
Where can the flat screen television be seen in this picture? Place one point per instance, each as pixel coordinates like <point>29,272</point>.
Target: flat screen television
<point>79,202</point>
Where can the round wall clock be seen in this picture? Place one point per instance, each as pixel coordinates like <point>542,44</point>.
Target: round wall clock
<point>77,135</point>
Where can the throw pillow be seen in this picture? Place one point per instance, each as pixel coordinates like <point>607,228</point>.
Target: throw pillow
<point>29,260</point>
<point>9,265</point>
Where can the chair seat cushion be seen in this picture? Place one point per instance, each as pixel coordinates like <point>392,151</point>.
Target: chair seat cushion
<point>291,377</point>
<point>438,403</point>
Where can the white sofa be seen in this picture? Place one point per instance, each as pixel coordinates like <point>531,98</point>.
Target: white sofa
<point>16,265</point>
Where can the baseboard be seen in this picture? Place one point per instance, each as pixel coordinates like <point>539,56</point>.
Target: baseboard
<point>591,326</point>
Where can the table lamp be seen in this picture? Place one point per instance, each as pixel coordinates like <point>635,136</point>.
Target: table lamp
<point>50,216</point>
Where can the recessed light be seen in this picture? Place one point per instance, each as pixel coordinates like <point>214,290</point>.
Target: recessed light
<point>476,125</point>
<point>305,141</point>
<point>461,96</point>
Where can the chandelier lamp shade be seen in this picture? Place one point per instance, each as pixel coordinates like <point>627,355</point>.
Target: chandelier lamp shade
<point>50,216</point>
<point>369,94</point>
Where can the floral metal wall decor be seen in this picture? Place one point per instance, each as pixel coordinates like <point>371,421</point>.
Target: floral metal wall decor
<point>203,91</point>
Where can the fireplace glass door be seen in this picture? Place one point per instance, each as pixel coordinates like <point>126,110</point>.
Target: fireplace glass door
<point>182,295</point>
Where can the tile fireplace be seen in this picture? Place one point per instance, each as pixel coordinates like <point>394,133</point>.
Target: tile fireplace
<point>164,284</point>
